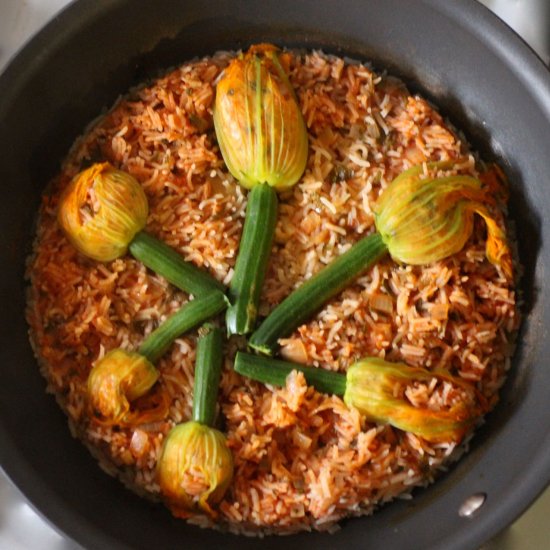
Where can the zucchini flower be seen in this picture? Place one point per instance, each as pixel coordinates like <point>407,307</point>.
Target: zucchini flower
<point>121,376</point>
<point>425,220</point>
<point>258,122</point>
<point>117,379</point>
<point>263,140</point>
<point>103,211</point>
<point>418,221</point>
<point>196,466</point>
<point>370,386</point>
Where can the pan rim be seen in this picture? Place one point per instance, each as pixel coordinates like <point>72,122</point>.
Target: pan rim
<point>476,18</point>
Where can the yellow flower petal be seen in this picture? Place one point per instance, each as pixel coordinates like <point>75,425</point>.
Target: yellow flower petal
<point>496,249</point>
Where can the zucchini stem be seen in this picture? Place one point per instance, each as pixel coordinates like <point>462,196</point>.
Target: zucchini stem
<point>208,366</point>
<point>187,317</point>
<point>165,261</point>
<point>301,304</point>
<point>274,372</point>
<point>252,260</point>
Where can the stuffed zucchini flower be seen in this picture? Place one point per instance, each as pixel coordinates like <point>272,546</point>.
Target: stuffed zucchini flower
<point>264,143</point>
<point>372,386</point>
<point>419,220</point>
<point>195,467</point>
<point>122,377</point>
<point>103,212</point>
<point>425,220</point>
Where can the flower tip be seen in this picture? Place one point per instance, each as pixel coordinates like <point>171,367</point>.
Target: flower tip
<point>262,48</point>
<point>497,250</point>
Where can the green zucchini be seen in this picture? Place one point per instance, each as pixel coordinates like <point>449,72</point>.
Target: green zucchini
<point>208,365</point>
<point>252,260</point>
<point>274,372</point>
<point>165,261</point>
<point>301,304</point>
<point>187,317</point>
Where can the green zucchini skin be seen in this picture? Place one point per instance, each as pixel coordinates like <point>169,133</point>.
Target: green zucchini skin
<point>274,372</point>
<point>307,299</point>
<point>186,318</point>
<point>208,366</point>
<point>252,260</point>
<point>165,261</point>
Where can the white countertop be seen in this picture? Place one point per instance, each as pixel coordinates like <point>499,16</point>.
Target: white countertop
<point>20,527</point>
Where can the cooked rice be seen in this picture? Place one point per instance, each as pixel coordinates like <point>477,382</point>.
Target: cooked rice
<point>303,460</point>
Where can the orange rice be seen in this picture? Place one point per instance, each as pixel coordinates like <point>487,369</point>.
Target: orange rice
<point>303,460</point>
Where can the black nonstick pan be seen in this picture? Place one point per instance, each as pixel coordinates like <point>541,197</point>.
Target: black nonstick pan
<point>461,57</point>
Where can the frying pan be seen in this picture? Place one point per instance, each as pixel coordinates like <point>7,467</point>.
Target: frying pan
<point>483,78</point>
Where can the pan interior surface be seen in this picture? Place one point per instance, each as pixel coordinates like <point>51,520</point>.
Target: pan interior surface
<point>488,83</point>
